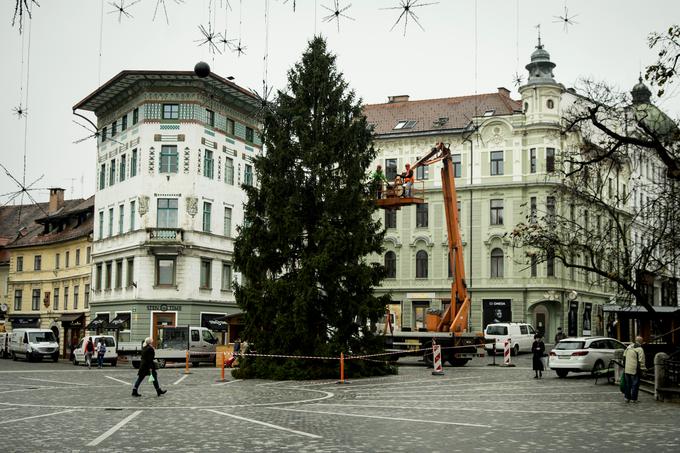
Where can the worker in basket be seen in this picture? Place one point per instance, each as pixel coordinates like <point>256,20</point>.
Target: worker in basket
<point>407,177</point>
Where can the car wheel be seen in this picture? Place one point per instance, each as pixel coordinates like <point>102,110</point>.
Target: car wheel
<point>114,362</point>
<point>561,373</point>
<point>135,364</point>
<point>75,362</point>
<point>55,357</point>
<point>598,367</point>
<point>14,356</point>
<point>515,350</point>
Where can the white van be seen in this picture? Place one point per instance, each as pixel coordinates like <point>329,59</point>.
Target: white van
<point>110,356</point>
<point>521,336</point>
<point>34,344</point>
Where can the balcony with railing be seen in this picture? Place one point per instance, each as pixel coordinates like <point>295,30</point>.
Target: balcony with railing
<point>164,236</point>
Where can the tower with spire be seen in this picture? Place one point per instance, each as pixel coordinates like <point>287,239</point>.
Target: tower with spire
<point>541,94</point>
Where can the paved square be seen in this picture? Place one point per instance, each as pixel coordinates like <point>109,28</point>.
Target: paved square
<point>59,407</point>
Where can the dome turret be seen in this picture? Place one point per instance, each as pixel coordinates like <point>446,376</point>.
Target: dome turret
<point>641,94</point>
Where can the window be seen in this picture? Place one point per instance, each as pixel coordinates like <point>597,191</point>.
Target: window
<point>457,165</point>
<point>87,296</point>
<point>130,277</point>
<point>121,218</point>
<point>550,263</point>
<point>206,267</point>
<point>523,330</point>
<point>110,222</point>
<point>88,255</point>
<point>133,163</point>
<point>405,124</point>
<point>133,207</point>
<point>170,111</point>
<point>550,159</point>
<point>101,224</point>
<point>532,160</point>
<point>35,300</point>
<point>102,176</point>
<point>421,264</point>
<point>57,261</point>
<point>496,163</point>
<point>119,274</point>
<point>195,336</point>
<point>211,117</point>
<point>230,126</point>
<point>227,222</point>
<point>250,135</point>
<point>55,298</point>
<point>550,103</point>
<point>77,257</point>
<point>534,262</point>
<point>65,297</point>
<point>169,156</point>
<point>135,116</point>
<point>390,218</point>
<point>112,172</point>
<point>496,263</point>
<point>113,129</point>
<point>391,264</point>
<point>103,134</point>
<point>76,290</point>
<point>422,171</point>
<point>421,215</point>
<point>121,171</point>
<point>458,205</point>
<point>207,209</point>
<point>37,262</point>
<point>248,175</point>
<point>208,168</point>
<point>550,208</point>
<point>98,277</point>
<point>67,258</point>
<point>108,276</point>
<point>496,212</point>
<point>165,271</point>
<point>166,215</point>
<point>390,169</point>
<point>18,295</point>
<point>229,170</point>
<point>533,209</point>
<point>123,123</point>
<point>20,263</point>
<point>226,277</point>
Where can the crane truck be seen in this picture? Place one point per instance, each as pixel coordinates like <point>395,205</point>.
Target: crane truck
<point>451,329</point>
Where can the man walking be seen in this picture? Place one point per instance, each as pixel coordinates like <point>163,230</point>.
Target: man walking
<point>146,367</point>
<point>88,349</point>
<point>634,364</point>
<point>559,336</point>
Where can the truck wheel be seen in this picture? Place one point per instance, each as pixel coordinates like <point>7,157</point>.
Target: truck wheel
<point>458,362</point>
<point>195,364</point>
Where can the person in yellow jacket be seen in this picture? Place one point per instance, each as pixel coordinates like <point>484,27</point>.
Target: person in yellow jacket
<point>634,364</point>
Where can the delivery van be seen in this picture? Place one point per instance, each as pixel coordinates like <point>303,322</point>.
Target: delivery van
<point>34,344</point>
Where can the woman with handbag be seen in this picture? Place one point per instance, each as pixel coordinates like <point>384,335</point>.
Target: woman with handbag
<point>147,367</point>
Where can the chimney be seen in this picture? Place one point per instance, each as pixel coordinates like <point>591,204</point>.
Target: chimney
<point>504,92</point>
<point>56,200</point>
<point>398,98</point>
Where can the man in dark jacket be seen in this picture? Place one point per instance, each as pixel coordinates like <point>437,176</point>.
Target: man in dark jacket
<point>146,367</point>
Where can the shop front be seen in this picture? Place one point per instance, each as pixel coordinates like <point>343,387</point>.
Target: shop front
<point>24,322</point>
<point>72,325</point>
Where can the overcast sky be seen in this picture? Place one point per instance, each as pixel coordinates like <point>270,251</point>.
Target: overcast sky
<point>467,47</point>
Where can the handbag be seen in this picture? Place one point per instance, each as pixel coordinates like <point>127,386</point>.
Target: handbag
<point>151,379</point>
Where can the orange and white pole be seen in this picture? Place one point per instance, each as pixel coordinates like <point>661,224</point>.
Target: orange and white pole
<point>507,348</point>
<point>437,359</point>
<point>186,364</point>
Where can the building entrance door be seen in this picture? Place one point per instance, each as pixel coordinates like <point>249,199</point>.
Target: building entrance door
<point>162,319</point>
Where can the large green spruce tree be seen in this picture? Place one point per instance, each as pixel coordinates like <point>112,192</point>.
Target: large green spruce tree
<point>308,288</point>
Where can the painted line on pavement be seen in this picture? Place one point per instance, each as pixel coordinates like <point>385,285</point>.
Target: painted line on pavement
<point>269,425</point>
<point>113,429</point>
<point>55,382</point>
<point>372,406</point>
<point>35,416</point>
<point>117,380</point>
<point>42,387</point>
<point>228,382</point>
<point>438,422</point>
<point>180,379</point>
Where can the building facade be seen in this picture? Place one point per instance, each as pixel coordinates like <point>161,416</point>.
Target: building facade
<point>504,154</point>
<point>49,270</point>
<point>173,152</point>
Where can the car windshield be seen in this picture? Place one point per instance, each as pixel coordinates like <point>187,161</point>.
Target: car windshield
<point>496,330</point>
<point>41,337</point>
<point>569,345</point>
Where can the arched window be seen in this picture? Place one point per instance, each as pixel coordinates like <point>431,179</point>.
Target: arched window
<point>391,264</point>
<point>421,264</point>
<point>496,263</point>
<point>550,104</point>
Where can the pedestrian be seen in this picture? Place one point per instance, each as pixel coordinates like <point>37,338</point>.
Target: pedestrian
<point>378,180</point>
<point>633,365</point>
<point>407,177</point>
<point>88,349</point>
<point>147,367</point>
<point>101,351</point>
<point>559,336</point>
<point>538,349</point>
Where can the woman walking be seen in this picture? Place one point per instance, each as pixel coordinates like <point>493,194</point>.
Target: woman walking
<point>538,349</point>
<point>147,367</point>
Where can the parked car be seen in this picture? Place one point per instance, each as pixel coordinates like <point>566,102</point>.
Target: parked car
<point>521,336</point>
<point>4,345</point>
<point>110,356</point>
<point>583,354</point>
<point>34,344</point>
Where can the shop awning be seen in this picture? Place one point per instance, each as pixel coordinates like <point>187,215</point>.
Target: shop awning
<point>98,323</point>
<point>119,322</point>
<point>232,316</point>
<point>612,308</point>
<point>24,321</point>
<point>72,320</point>
<point>217,325</point>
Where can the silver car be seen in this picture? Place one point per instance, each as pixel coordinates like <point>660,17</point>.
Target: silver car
<point>583,354</point>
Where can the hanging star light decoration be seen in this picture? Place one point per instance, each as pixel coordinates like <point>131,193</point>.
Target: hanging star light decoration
<point>336,13</point>
<point>20,7</point>
<point>517,79</point>
<point>239,48</point>
<point>210,38</point>
<point>165,9</point>
<point>566,19</point>
<point>121,9</point>
<point>20,111</point>
<point>407,11</point>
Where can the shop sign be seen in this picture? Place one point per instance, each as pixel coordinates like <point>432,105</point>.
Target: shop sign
<point>164,307</point>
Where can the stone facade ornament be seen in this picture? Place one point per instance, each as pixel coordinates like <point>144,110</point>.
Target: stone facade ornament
<point>143,203</point>
<point>192,206</point>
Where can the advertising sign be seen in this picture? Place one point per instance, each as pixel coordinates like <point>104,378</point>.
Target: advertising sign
<point>494,311</point>
<point>587,318</point>
<point>572,319</point>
